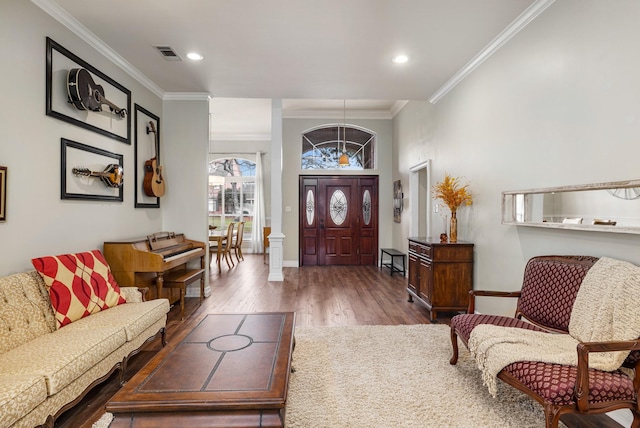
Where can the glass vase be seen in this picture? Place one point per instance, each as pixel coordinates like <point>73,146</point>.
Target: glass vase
<point>453,228</point>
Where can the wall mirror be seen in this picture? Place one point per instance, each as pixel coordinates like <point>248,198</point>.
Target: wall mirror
<point>605,207</point>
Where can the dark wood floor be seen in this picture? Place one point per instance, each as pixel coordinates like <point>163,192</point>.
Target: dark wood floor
<point>320,296</point>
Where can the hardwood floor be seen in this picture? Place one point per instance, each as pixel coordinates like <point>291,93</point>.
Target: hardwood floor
<point>320,296</point>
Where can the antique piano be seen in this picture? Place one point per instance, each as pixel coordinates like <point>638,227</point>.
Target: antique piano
<point>160,262</point>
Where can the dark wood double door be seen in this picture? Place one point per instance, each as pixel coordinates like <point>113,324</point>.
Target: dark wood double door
<point>338,220</point>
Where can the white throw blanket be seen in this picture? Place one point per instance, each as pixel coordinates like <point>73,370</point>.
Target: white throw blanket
<point>607,308</point>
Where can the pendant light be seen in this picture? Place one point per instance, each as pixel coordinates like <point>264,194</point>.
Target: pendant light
<point>344,158</point>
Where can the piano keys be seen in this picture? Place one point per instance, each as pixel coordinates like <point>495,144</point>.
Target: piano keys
<point>154,260</point>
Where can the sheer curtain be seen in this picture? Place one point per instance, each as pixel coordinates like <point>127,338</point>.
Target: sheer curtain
<point>258,209</point>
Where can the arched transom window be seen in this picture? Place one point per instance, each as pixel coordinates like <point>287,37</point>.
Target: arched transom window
<point>322,148</point>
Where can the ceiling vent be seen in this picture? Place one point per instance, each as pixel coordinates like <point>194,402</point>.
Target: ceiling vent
<point>168,53</point>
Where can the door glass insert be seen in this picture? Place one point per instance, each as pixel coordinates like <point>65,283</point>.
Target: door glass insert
<point>338,207</point>
<point>366,207</point>
<point>310,207</point>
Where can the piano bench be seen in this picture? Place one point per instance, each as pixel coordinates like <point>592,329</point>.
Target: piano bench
<point>181,279</point>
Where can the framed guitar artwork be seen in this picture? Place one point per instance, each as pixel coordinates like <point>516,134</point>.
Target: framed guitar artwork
<point>80,94</point>
<point>149,175</point>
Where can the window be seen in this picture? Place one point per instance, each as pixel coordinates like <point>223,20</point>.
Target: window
<point>232,184</point>
<point>322,147</point>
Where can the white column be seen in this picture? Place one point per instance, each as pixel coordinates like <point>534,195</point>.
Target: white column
<point>276,239</point>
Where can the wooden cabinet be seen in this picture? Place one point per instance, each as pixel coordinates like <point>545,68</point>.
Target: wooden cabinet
<point>440,274</point>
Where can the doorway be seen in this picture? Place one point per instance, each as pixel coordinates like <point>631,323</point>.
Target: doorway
<point>420,197</point>
<point>338,220</point>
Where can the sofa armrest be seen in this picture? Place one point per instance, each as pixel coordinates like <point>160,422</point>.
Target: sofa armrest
<point>581,390</point>
<point>134,294</point>
<point>488,293</point>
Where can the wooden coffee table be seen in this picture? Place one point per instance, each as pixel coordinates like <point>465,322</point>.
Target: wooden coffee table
<point>221,370</point>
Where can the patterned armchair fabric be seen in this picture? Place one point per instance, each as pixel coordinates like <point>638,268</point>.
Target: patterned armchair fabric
<point>550,287</point>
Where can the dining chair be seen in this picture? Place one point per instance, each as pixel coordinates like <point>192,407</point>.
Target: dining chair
<point>227,246</point>
<point>266,231</point>
<point>237,242</point>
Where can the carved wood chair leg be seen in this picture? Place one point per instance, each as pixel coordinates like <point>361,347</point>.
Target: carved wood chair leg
<point>454,346</point>
<point>227,257</point>
<point>636,419</point>
<point>551,416</point>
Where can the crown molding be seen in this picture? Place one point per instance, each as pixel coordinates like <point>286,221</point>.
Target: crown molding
<point>187,96</point>
<point>397,106</point>
<point>512,29</point>
<point>63,17</point>
<point>337,114</point>
<point>239,137</point>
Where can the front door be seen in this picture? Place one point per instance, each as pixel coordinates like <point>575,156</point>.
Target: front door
<point>338,220</point>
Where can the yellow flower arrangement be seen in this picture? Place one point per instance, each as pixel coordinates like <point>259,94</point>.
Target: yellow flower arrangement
<point>452,193</point>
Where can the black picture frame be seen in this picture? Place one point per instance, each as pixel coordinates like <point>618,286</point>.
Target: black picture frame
<point>77,155</point>
<point>3,193</point>
<point>58,62</point>
<point>144,149</point>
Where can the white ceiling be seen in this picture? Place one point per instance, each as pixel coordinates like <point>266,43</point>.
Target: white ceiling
<point>297,49</point>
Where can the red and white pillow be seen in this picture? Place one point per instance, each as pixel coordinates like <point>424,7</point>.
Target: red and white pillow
<point>79,284</point>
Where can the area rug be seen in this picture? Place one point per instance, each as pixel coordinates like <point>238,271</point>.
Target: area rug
<point>393,376</point>
<point>104,421</point>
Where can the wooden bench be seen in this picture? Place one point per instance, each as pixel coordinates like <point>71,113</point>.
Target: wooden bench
<point>181,279</point>
<point>393,254</point>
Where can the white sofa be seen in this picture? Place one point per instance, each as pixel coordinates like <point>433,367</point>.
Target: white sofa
<point>45,370</point>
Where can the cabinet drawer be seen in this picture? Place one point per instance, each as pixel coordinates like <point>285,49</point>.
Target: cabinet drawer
<point>421,250</point>
<point>427,251</point>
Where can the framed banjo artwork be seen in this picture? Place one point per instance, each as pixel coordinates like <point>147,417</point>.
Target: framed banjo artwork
<point>78,93</point>
<point>90,173</point>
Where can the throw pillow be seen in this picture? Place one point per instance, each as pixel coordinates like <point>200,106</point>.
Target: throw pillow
<point>79,284</point>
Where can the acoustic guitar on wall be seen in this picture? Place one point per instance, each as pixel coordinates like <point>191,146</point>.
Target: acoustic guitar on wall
<point>112,176</point>
<point>153,183</point>
<point>85,94</point>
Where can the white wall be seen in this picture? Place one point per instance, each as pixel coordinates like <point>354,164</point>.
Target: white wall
<point>38,222</point>
<point>292,152</point>
<point>557,105</point>
<point>185,151</point>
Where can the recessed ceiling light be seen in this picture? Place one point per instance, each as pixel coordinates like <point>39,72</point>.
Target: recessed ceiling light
<point>194,56</point>
<point>400,59</point>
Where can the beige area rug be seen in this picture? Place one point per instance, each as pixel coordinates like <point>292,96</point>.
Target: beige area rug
<point>393,376</point>
<point>104,421</point>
